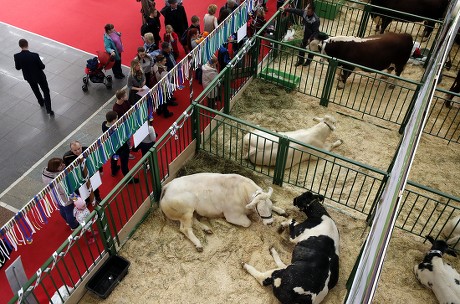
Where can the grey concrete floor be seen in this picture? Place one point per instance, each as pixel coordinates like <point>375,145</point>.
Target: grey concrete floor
<point>28,136</point>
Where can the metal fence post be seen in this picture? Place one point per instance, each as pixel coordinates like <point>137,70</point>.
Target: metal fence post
<point>155,174</point>
<point>196,125</point>
<point>330,74</point>
<point>364,20</point>
<point>103,226</point>
<point>255,56</point>
<point>227,88</point>
<point>371,214</point>
<point>410,108</point>
<point>280,28</point>
<point>281,156</point>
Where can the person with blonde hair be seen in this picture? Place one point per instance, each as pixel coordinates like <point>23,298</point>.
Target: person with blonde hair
<point>136,81</point>
<point>210,20</point>
<point>149,43</point>
<point>171,37</point>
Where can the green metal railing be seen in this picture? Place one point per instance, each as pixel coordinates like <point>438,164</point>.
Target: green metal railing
<point>69,264</point>
<point>339,179</point>
<point>75,258</point>
<point>442,121</point>
<point>425,211</point>
<point>346,182</point>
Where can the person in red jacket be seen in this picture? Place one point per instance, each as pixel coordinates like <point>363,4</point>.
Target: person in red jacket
<point>171,37</point>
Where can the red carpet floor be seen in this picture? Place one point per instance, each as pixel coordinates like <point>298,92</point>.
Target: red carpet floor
<point>80,24</point>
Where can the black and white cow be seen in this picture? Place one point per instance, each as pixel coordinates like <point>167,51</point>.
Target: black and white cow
<point>314,267</point>
<point>430,9</point>
<point>388,51</point>
<point>437,275</point>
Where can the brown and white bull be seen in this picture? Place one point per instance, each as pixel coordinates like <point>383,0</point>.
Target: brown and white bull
<point>261,148</point>
<point>389,51</point>
<point>214,195</point>
<point>430,9</point>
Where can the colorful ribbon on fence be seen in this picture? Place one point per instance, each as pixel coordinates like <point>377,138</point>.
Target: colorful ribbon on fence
<point>35,214</point>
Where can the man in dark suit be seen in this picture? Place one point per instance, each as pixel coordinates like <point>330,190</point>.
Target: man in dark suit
<point>175,16</point>
<point>32,69</point>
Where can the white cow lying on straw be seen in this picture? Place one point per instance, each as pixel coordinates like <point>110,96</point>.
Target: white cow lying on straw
<point>261,148</point>
<point>215,195</point>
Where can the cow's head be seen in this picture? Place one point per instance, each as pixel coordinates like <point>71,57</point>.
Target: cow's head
<point>263,205</point>
<point>309,203</point>
<point>318,43</point>
<point>328,120</point>
<point>441,246</point>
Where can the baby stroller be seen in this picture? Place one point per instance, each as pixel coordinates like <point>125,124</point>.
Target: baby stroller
<point>94,70</point>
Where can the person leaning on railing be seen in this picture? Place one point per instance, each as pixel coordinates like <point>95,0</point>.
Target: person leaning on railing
<point>76,149</point>
<point>55,166</point>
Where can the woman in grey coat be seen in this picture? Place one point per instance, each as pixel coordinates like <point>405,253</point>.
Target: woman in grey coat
<point>66,206</point>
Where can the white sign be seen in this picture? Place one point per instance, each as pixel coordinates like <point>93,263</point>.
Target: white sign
<point>141,133</point>
<point>242,32</point>
<point>145,90</point>
<point>95,181</point>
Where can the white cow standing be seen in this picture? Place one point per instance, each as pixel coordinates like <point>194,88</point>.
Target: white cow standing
<point>438,276</point>
<point>214,195</point>
<point>261,148</point>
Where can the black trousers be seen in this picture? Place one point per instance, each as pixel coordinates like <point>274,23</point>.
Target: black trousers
<point>45,99</point>
<point>303,45</point>
<point>123,154</point>
<point>145,147</point>
<point>116,69</point>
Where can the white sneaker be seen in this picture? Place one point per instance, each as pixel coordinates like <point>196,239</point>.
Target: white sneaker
<point>131,156</point>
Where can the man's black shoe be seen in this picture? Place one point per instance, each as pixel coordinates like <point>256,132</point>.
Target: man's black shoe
<point>172,103</point>
<point>307,63</point>
<point>300,62</point>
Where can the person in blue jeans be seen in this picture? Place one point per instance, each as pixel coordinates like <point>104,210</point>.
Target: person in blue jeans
<point>55,166</point>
